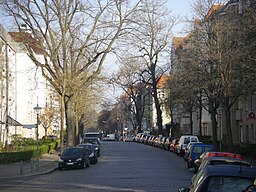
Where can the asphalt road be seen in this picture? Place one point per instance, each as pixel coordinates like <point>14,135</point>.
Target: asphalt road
<point>123,166</point>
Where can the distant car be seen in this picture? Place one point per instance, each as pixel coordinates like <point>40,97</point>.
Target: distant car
<point>168,142</point>
<point>204,155</point>
<point>173,145</point>
<point>109,137</point>
<point>93,134</point>
<point>129,138</point>
<point>222,178</point>
<point>90,151</point>
<point>183,142</point>
<point>93,140</point>
<point>96,143</point>
<point>74,157</point>
<point>196,150</point>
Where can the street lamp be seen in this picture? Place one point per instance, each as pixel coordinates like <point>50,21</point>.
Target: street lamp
<point>37,110</point>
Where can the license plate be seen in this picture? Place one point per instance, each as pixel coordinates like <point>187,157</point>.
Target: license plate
<point>70,163</point>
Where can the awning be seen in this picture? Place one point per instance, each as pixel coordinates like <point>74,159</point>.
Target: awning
<point>12,122</point>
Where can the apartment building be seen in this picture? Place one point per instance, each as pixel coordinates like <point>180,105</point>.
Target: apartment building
<point>242,113</point>
<point>22,88</point>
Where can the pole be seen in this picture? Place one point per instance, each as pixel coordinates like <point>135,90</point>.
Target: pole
<point>37,151</point>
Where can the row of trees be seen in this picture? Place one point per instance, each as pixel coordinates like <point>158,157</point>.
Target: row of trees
<point>73,39</point>
<point>216,62</point>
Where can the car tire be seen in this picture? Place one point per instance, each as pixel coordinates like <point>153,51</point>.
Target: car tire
<point>60,168</point>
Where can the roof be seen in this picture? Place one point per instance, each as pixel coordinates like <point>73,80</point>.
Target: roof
<point>213,9</point>
<point>28,38</point>
<point>163,81</point>
<point>177,41</point>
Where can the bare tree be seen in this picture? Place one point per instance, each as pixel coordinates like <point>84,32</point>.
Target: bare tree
<point>73,39</point>
<point>46,119</point>
<point>149,42</point>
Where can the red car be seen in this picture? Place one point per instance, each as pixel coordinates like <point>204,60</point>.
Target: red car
<point>173,145</point>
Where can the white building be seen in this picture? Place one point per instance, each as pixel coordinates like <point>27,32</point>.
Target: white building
<point>25,87</point>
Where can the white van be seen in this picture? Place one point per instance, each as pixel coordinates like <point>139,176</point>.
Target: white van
<point>183,142</point>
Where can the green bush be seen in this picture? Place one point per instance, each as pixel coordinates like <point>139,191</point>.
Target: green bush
<point>12,157</point>
<point>28,150</point>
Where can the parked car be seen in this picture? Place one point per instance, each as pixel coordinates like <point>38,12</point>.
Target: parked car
<point>162,142</point>
<point>168,142</point>
<point>222,178</point>
<point>74,157</point>
<point>196,150</point>
<point>187,150</point>
<point>222,161</point>
<point>158,141</point>
<point>173,145</point>
<point>90,151</point>
<point>151,140</point>
<point>93,140</point>
<point>93,134</point>
<point>204,155</point>
<point>137,137</point>
<point>183,142</point>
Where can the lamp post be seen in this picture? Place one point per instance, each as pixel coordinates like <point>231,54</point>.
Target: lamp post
<point>37,110</point>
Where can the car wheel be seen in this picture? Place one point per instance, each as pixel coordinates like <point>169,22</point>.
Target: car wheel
<point>60,169</point>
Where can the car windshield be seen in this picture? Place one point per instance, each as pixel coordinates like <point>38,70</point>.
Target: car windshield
<point>87,147</point>
<point>72,152</point>
<point>198,149</point>
<point>228,184</point>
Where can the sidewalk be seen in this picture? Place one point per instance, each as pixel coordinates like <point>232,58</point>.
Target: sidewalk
<point>47,163</point>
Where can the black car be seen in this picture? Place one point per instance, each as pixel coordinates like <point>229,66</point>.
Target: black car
<point>222,178</point>
<point>96,143</point>
<point>90,151</point>
<point>73,157</point>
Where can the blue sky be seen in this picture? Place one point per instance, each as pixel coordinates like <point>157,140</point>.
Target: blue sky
<point>181,8</point>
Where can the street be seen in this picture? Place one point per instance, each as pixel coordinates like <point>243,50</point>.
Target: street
<point>123,166</point>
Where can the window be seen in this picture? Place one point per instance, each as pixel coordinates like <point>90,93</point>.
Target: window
<point>228,184</point>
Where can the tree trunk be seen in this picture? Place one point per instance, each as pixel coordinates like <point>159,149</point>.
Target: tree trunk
<point>228,125</point>
<point>70,122</point>
<point>159,114</point>
<point>214,129</point>
<point>191,122</point>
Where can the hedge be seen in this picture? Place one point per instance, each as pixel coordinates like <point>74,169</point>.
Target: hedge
<point>29,152</point>
<point>12,157</point>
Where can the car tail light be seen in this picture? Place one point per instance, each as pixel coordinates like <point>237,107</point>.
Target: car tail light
<point>226,154</point>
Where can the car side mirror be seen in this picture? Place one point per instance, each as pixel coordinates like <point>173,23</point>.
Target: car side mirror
<point>183,189</point>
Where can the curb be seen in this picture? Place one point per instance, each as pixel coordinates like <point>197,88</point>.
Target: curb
<point>31,175</point>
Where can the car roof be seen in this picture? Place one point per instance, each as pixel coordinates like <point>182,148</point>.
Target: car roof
<point>230,170</point>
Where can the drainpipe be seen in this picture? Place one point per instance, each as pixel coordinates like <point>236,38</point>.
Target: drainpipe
<point>6,94</point>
